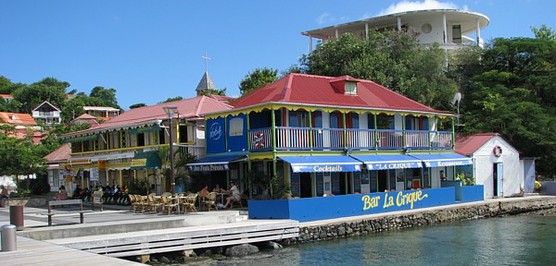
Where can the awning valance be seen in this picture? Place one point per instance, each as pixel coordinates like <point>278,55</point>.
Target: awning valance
<point>440,160</point>
<point>82,138</point>
<point>318,164</point>
<point>148,160</point>
<point>146,129</point>
<point>214,163</point>
<point>385,162</point>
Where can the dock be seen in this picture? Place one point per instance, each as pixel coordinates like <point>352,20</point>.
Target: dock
<point>113,234</point>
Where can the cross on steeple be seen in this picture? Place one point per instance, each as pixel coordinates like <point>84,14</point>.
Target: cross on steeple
<point>206,61</point>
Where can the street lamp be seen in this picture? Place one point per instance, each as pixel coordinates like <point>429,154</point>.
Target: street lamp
<point>170,111</point>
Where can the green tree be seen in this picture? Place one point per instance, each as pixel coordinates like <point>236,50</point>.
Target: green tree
<point>20,156</point>
<point>511,89</point>
<point>544,33</point>
<point>173,99</point>
<point>213,92</point>
<point>48,89</point>
<point>257,78</point>
<point>137,105</point>
<point>392,59</point>
<point>107,95</point>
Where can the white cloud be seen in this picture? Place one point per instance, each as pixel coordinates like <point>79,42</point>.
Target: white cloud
<point>405,6</point>
<point>324,18</point>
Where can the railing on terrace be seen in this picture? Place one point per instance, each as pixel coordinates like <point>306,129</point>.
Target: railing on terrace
<point>301,138</point>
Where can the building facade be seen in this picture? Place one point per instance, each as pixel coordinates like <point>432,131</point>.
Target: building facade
<point>126,147</point>
<point>328,136</point>
<point>496,165</point>
<point>450,28</point>
<point>47,113</point>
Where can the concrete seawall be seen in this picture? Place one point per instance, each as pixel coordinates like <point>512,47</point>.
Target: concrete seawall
<point>363,225</point>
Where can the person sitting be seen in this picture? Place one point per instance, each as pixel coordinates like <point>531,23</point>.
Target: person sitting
<point>217,189</point>
<point>4,194</point>
<point>77,192</point>
<point>62,193</point>
<point>235,195</point>
<point>204,192</point>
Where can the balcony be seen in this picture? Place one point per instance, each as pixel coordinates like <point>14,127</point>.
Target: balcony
<point>317,139</point>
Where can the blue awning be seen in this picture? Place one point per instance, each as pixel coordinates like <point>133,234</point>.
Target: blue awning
<point>385,162</point>
<point>318,164</point>
<point>440,160</point>
<point>214,163</point>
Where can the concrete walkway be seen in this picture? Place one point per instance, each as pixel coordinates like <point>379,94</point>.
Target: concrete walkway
<point>34,252</point>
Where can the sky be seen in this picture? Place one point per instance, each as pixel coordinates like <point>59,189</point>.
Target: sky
<point>149,51</point>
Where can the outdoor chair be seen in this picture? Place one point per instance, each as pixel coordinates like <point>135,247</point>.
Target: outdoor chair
<point>210,200</point>
<point>168,204</point>
<point>153,204</point>
<point>188,202</point>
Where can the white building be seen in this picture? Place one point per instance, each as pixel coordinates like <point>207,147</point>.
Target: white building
<point>496,164</point>
<point>450,28</point>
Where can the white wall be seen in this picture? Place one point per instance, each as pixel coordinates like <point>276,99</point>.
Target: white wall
<point>484,160</point>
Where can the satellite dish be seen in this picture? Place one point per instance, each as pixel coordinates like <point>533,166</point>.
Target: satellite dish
<point>457,99</point>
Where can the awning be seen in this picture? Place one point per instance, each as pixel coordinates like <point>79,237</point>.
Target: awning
<point>143,160</point>
<point>385,162</point>
<point>439,160</point>
<point>314,164</point>
<point>214,163</point>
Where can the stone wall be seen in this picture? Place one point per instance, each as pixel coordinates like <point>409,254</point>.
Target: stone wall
<point>338,228</point>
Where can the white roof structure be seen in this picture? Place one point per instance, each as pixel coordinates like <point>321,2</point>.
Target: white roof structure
<point>448,27</point>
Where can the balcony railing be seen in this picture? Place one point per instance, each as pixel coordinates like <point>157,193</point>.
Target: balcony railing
<point>301,138</point>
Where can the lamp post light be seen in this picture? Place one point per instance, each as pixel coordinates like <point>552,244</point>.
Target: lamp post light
<point>170,111</point>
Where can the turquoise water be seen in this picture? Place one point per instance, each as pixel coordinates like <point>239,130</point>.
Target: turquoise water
<point>512,240</point>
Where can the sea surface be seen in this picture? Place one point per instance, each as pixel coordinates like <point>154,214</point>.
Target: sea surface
<point>510,240</point>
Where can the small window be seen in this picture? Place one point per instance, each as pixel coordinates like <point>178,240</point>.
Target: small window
<point>351,88</point>
<point>426,28</point>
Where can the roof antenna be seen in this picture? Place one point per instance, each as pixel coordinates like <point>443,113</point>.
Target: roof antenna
<point>456,102</point>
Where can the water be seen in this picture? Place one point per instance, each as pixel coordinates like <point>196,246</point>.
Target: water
<point>512,240</point>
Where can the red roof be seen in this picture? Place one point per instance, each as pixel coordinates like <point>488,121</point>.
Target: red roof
<point>60,154</point>
<point>467,145</point>
<point>17,119</point>
<point>6,96</point>
<point>192,108</point>
<point>321,90</point>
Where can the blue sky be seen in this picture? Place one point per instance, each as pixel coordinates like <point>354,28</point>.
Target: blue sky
<point>152,50</point>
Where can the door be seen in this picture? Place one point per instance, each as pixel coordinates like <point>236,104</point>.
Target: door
<point>306,185</point>
<point>497,180</point>
<point>382,180</point>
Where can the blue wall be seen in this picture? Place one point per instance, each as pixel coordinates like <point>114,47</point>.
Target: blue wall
<point>215,135</point>
<point>236,135</point>
<point>319,208</point>
<point>472,193</point>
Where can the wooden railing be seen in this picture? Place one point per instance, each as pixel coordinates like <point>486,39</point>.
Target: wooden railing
<point>302,138</point>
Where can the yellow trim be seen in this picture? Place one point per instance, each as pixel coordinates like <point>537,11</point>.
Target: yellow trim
<point>119,149</point>
<point>261,156</point>
<point>311,108</point>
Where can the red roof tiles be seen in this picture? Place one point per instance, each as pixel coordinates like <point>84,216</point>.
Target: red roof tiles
<point>192,108</point>
<point>320,90</point>
<point>59,155</point>
<point>17,119</point>
<point>467,145</point>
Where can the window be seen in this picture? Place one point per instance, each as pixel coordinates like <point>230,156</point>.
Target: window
<point>351,88</point>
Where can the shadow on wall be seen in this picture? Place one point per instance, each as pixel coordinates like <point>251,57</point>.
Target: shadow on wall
<point>548,188</point>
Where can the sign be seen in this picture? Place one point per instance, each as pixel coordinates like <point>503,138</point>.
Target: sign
<point>215,131</point>
<point>208,167</point>
<point>94,174</point>
<point>138,162</point>
<point>102,165</point>
<point>394,165</point>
